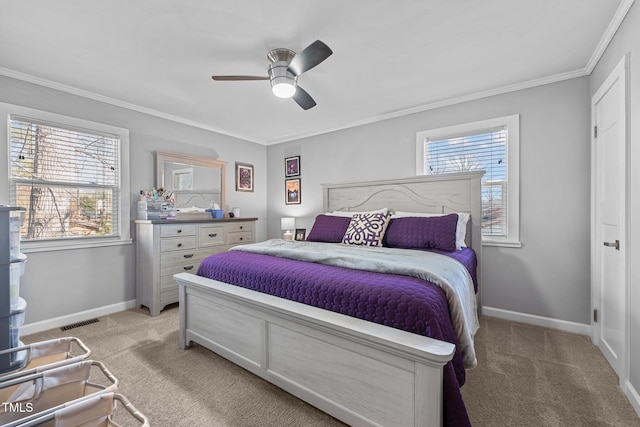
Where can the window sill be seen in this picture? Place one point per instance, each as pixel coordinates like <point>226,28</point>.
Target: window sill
<point>32,247</point>
<point>503,243</point>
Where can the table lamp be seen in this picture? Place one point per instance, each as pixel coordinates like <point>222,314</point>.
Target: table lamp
<point>287,225</point>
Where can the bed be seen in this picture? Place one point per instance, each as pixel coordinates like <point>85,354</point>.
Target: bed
<point>359,371</point>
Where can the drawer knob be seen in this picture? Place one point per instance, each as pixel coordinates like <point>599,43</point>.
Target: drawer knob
<point>241,238</point>
<point>241,227</point>
<point>189,267</point>
<point>188,255</point>
<point>213,234</point>
<point>179,231</point>
<point>179,245</point>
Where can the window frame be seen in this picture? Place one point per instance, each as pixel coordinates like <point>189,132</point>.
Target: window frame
<point>124,213</point>
<point>512,126</point>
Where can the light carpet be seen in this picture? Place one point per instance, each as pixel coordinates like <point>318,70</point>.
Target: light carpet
<point>526,376</point>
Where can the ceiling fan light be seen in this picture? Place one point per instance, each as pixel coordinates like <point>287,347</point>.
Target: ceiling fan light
<point>283,87</point>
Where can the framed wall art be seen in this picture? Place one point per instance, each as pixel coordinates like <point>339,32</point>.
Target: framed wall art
<point>292,191</point>
<point>244,177</point>
<point>292,166</point>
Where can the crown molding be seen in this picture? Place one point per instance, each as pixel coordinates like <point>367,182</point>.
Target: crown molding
<point>400,113</point>
<point>444,103</point>
<point>613,26</point>
<point>113,101</point>
<point>611,30</point>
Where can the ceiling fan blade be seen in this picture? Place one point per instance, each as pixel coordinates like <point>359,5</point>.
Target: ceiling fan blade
<point>310,56</point>
<point>303,99</point>
<point>238,78</point>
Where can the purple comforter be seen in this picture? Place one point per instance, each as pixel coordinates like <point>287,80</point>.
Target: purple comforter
<point>400,302</point>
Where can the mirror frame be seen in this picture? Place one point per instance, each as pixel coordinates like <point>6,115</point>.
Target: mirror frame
<point>162,157</point>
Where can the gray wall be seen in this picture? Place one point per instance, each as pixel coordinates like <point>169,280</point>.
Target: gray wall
<point>627,40</point>
<point>60,283</point>
<point>549,275</point>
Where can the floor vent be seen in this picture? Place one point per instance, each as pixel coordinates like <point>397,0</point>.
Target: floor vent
<point>77,325</point>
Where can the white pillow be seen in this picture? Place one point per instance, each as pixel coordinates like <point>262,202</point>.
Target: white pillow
<point>461,228</point>
<point>350,214</point>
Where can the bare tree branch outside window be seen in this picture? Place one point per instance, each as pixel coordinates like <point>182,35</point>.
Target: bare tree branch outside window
<point>67,179</point>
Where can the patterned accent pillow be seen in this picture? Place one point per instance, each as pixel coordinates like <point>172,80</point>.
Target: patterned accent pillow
<point>366,229</point>
<point>328,229</point>
<point>437,232</point>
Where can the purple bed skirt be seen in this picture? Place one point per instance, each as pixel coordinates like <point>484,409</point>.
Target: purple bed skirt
<point>401,302</point>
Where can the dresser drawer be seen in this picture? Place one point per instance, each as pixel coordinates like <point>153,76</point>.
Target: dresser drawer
<point>169,296</point>
<point>237,238</point>
<point>168,290</point>
<point>177,244</point>
<point>239,226</point>
<point>168,283</point>
<point>168,259</point>
<point>211,235</point>
<point>191,267</point>
<point>177,230</point>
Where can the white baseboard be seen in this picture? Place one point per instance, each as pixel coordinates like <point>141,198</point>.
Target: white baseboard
<point>633,396</point>
<point>69,319</point>
<point>532,319</point>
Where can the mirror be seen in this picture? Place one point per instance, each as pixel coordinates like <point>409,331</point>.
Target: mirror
<point>193,181</point>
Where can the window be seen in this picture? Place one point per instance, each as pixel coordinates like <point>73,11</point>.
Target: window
<point>489,145</point>
<point>72,178</point>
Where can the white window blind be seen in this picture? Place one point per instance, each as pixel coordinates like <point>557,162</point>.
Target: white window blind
<point>492,145</point>
<point>67,178</point>
<point>484,150</point>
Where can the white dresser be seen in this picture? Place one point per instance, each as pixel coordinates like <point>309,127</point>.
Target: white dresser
<point>167,247</point>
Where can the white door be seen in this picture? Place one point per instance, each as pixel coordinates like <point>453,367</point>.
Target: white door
<point>608,238</point>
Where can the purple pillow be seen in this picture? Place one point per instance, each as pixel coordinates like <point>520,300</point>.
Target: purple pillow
<point>366,229</point>
<point>329,229</point>
<point>436,232</point>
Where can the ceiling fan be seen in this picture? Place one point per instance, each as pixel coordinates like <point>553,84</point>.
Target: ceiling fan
<point>284,70</point>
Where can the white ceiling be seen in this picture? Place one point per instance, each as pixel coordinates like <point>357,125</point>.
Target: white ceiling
<point>391,57</point>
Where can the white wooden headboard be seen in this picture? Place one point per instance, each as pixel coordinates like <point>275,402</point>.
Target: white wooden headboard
<point>444,193</point>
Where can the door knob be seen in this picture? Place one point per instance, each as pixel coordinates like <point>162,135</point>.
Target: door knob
<point>615,244</point>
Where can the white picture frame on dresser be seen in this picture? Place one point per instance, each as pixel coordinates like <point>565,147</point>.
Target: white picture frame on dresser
<point>168,247</point>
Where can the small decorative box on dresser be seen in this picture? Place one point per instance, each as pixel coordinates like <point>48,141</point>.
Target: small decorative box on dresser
<point>167,247</point>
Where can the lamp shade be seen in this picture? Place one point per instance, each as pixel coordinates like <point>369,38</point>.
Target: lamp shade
<point>287,223</point>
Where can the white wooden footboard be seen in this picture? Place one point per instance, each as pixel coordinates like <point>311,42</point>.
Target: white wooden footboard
<point>359,372</point>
